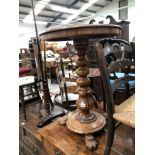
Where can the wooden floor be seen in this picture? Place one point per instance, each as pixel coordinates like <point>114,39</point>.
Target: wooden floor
<point>123,141</point>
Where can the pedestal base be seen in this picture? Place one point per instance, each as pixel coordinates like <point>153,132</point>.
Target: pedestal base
<point>85,128</point>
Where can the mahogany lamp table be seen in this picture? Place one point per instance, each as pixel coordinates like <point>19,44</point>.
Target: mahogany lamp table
<point>83,120</point>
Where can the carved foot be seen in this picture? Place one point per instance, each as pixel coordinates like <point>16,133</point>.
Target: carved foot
<point>90,141</point>
<point>63,121</point>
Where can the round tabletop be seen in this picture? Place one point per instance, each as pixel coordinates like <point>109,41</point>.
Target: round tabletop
<point>82,31</point>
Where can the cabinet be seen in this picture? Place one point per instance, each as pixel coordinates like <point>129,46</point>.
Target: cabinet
<point>125,28</point>
<point>29,144</point>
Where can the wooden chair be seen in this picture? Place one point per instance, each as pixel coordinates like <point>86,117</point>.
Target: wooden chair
<point>111,111</point>
<point>28,91</point>
<point>29,86</point>
<point>115,49</point>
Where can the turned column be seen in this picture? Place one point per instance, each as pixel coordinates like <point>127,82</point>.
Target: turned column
<point>84,103</point>
<point>47,99</point>
<point>84,120</point>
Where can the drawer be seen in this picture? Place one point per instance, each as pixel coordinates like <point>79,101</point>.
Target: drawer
<point>32,146</point>
<point>24,149</point>
<point>32,138</point>
<point>50,149</point>
<point>29,144</point>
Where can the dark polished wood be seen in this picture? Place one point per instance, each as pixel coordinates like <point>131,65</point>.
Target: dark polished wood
<point>125,27</point>
<point>49,113</point>
<point>85,31</point>
<point>83,120</point>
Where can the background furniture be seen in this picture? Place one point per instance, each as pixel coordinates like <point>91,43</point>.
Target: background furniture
<point>67,96</point>
<point>115,49</point>
<point>25,66</point>
<point>91,54</point>
<point>51,68</point>
<point>108,89</point>
<point>125,27</point>
<point>24,53</point>
<point>27,89</point>
<point>48,106</point>
<point>23,71</point>
<point>28,81</point>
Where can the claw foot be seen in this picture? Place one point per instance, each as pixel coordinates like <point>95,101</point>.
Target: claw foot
<point>90,141</point>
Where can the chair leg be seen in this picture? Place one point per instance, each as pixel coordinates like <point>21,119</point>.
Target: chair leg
<point>110,136</point>
<point>31,90</point>
<point>22,102</point>
<point>36,89</point>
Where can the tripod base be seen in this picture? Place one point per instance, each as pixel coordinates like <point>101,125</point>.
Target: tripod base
<point>48,119</point>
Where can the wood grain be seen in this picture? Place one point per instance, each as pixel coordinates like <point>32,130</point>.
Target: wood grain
<point>68,142</point>
<point>71,32</point>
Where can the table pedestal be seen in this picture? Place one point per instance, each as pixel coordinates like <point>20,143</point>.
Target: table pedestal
<point>84,121</point>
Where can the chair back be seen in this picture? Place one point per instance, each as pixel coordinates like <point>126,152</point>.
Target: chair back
<point>108,72</point>
<point>118,62</point>
<point>37,64</point>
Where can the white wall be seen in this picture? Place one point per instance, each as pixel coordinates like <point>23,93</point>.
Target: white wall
<point>26,31</point>
<point>131,18</point>
<point>112,10</point>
